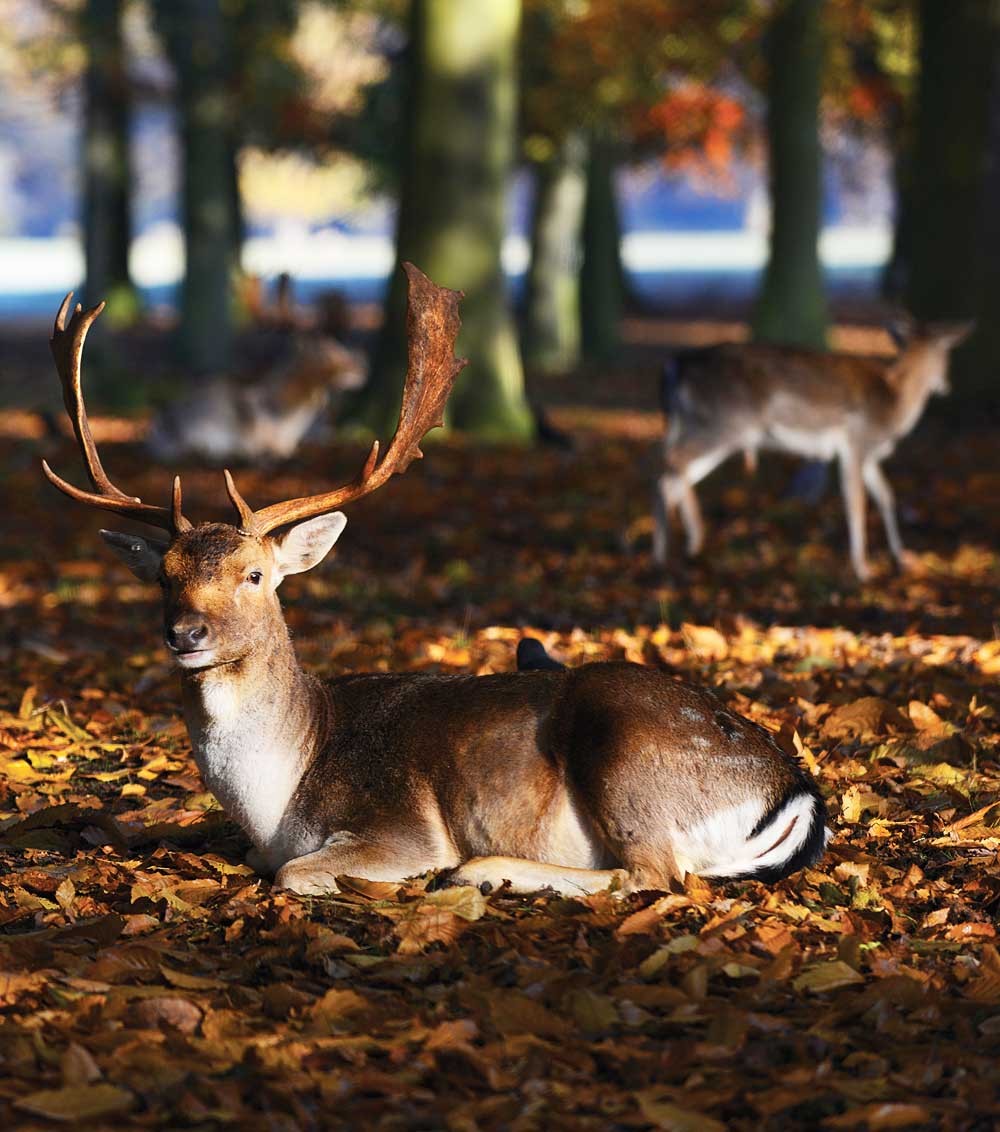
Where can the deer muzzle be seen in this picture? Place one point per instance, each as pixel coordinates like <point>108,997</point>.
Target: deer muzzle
<point>189,638</point>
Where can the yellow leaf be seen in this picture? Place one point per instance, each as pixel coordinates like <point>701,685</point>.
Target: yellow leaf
<point>185,981</point>
<point>76,1102</point>
<point>705,642</point>
<point>827,976</point>
<point>664,1114</point>
<point>463,900</point>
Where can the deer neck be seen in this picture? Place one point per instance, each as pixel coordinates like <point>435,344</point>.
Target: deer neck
<point>914,377</point>
<point>255,726</point>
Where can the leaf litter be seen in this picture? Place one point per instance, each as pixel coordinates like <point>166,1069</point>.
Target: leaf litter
<point>149,979</point>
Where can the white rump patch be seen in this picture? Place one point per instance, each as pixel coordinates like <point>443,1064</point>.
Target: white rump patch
<point>721,845</point>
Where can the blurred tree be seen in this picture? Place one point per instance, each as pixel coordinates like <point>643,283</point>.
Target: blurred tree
<point>551,337</point>
<point>106,219</point>
<point>602,275</point>
<point>955,240</point>
<point>791,305</point>
<point>950,152</point>
<point>609,70</point>
<point>458,154</point>
<point>199,45</point>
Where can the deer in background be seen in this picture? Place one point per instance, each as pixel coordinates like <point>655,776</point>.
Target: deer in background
<point>266,419</point>
<point>607,775</point>
<point>824,406</point>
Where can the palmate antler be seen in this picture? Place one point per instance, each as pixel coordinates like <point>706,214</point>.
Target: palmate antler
<point>67,350</point>
<point>432,325</point>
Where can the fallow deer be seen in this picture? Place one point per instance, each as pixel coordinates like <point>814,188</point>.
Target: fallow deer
<point>741,397</point>
<point>610,775</point>
<point>231,420</point>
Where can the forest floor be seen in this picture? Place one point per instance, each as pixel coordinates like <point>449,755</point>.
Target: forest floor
<point>149,979</point>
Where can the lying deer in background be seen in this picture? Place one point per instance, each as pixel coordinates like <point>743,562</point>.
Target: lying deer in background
<point>572,779</point>
<point>228,419</point>
<point>741,397</point>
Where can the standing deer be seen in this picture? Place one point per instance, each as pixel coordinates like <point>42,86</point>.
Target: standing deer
<point>730,398</point>
<point>607,775</point>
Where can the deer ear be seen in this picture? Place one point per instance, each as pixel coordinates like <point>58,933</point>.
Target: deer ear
<point>142,556</point>
<point>307,543</point>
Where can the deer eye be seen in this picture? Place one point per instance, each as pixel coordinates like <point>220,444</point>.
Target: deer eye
<point>254,577</point>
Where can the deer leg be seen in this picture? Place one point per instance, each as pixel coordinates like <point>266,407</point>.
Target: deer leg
<point>346,854</point>
<point>880,490</point>
<point>487,873</point>
<point>662,505</point>
<point>853,488</point>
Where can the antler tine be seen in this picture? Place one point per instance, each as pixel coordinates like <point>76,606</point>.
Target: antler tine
<point>432,325</point>
<point>67,350</point>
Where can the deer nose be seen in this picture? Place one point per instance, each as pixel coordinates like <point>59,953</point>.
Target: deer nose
<point>188,633</point>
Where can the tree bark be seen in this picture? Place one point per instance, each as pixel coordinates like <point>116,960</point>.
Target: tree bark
<point>950,156</point>
<point>602,277</point>
<point>791,306</point>
<point>552,293</point>
<point>458,158</point>
<point>106,220</point>
<point>198,44</point>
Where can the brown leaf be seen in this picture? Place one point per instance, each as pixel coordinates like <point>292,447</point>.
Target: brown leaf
<point>866,719</point>
<point>166,1011</point>
<point>515,1013</point>
<point>78,1067</point>
<point>77,1103</point>
<point>662,1113</point>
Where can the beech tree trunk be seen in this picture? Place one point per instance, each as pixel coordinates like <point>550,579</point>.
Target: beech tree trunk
<point>602,277</point>
<point>106,221</point>
<point>791,306</point>
<point>198,44</point>
<point>458,158</point>
<point>552,293</point>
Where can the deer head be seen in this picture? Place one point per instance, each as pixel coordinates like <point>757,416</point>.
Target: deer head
<point>219,580</point>
<point>924,354</point>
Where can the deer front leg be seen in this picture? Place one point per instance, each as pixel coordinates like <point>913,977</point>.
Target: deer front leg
<point>881,491</point>
<point>346,854</point>
<point>853,488</point>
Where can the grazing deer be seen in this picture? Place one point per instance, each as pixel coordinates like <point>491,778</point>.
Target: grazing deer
<point>264,420</point>
<point>730,398</point>
<point>607,775</point>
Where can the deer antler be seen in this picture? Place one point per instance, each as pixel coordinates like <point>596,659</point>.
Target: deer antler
<point>432,325</point>
<point>67,350</point>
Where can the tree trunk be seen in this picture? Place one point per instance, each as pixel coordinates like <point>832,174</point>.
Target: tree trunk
<point>976,368</point>
<point>552,294</point>
<point>106,219</point>
<point>601,274</point>
<point>198,43</point>
<point>953,100</point>
<point>458,158</point>
<point>791,306</point>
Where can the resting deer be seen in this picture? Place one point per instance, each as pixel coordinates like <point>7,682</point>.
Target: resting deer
<point>731,398</point>
<point>263,420</point>
<point>607,775</point>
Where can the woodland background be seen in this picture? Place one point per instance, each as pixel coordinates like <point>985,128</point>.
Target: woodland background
<point>147,977</point>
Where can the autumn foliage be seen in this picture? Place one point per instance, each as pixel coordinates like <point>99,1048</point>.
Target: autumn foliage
<point>149,979</point>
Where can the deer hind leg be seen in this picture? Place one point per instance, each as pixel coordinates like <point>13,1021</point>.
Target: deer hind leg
<point>346,854</point>
<point>524,876</point>
<point>880,490</point>
<point>852,485</point>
